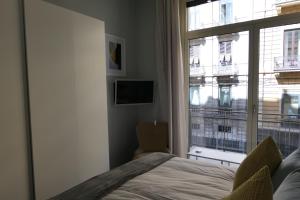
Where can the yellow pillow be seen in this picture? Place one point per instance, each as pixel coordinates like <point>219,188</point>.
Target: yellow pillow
<point>265,153</point>
<point>258,187</point>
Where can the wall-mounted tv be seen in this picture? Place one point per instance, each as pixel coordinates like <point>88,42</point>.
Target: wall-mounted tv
<point>129,92</point>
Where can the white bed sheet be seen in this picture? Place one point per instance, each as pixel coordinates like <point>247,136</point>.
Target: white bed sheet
<point>178,178</point>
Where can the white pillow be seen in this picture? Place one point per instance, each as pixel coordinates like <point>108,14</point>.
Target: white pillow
<point>289,189</point>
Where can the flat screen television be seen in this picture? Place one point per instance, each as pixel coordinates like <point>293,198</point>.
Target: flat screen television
<point>128,92</point>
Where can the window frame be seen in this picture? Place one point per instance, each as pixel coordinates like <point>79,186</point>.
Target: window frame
<point>253,27</point>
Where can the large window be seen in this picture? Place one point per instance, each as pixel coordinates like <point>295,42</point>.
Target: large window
<point>248,71</point>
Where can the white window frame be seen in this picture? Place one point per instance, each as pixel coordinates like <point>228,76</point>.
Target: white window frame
<point>254,28</point>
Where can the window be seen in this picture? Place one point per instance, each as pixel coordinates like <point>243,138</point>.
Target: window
<point>290,106</point>
<point>291,45</point>
<point>194,96</point>
<point>225,96</point>
<point>226,12</point>
<point>196,68</point>
<point>224,129</point>
<point>194,56</point>
<point>195,126</point>
<point>246,66</point>
<point>225,53</point>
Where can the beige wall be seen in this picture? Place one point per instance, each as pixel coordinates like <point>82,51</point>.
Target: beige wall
<point>67,81</point>
<point>14,184</point>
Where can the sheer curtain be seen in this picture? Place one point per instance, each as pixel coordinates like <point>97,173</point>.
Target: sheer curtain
<point>171,74</point>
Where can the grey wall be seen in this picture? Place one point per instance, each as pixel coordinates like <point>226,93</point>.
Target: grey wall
<point>134,21</point>
<point>14,173</point>
<point>146,64</point>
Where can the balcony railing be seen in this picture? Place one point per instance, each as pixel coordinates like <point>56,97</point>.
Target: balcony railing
<point>226,130</point>
<point>196,70</point>
<point>225,70</point>
<point>220,129</point>
<point>287,64</point>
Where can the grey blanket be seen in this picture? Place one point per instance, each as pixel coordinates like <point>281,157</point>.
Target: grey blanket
<point>99,186</point>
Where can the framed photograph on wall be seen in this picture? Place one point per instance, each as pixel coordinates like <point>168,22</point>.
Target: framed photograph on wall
<point>115,56</point>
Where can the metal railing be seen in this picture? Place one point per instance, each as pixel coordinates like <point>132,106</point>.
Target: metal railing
<point>286,64</point>
<point>196,70</point>
<point>226,130</point>
<point>285,131</point>
<point>221,128</point>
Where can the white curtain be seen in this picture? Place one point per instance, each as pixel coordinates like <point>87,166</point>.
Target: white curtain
<point>171,74</point>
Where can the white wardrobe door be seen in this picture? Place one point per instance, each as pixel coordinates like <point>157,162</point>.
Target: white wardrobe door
<point>14,181</point>
<point>67,83</point>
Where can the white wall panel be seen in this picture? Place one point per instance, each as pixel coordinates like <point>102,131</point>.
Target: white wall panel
<point>67,81</point>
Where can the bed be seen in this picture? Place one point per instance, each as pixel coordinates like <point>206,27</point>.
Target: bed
<point>161,176</point>
<point>158,176</point>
